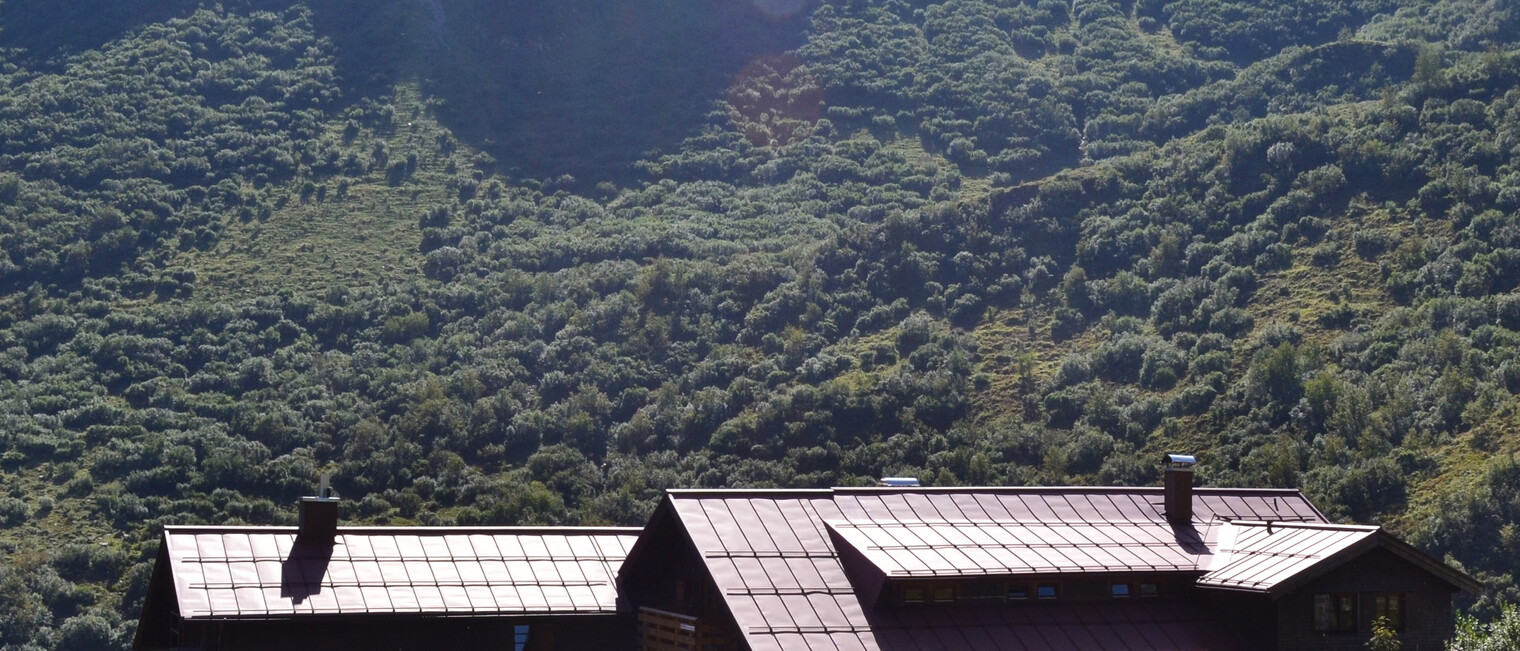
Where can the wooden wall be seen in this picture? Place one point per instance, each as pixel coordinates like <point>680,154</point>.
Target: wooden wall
<point>1427,608</point>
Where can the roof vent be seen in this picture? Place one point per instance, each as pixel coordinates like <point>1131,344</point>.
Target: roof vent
<point>898,482</point>
<point>318,516</point>
<point>1179,488</point>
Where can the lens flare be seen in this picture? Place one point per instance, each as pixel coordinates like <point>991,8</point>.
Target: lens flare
<point>780,8</point>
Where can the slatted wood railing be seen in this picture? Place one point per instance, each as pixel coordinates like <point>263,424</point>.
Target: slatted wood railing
<point>662,630</point>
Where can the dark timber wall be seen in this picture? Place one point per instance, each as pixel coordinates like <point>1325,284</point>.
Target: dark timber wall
<point>1427,605</point>
<point>384,632</point>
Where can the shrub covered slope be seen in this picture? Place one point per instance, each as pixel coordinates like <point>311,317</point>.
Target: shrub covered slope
<point>977,241</point>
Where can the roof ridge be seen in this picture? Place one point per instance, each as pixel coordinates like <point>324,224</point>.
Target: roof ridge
<point>1216,490</point>
<point>1307,524</point>
<point>690,492</point>
<point>406,530</point>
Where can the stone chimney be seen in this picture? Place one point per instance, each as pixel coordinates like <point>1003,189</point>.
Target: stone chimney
<point>318,522</point>
<point>1179,489</point>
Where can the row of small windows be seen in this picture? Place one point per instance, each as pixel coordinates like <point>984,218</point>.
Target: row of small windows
<point>996,591</point>
<point>1336,612</point>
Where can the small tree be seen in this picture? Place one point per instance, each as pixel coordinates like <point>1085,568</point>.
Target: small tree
<point>1384,638</point>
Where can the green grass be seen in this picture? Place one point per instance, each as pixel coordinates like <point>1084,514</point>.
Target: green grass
<point>370,236</point>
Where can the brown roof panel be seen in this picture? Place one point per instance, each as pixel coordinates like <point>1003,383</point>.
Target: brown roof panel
<point>260,572</point>
<point>1257,556</point>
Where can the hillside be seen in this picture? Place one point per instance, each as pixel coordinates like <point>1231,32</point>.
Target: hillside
<point>493,264</point>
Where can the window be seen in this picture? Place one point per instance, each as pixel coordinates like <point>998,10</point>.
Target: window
<point>1335,612</point>
<point>944,593</point>
<point>1390,607</point>
<point>1046,591</point>
<point>1149,590</point>
<point>1018,591</point>
<point>988,590</point>
<point>1119,590</point>
<point>921,592</point>
<point>519,637</point>
<point>913,594</point>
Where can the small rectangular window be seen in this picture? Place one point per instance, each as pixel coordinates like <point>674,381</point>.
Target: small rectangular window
<point>1390,608</point>
<point>1335,612</point>
<point>1046,591</point>
<point>1119,590</point>
<point>913,594</point>
<point>519,637</point>
<point>944,593</point>
<point>1018,591</point>
<point>1149,590</point>
<point>988,590</point>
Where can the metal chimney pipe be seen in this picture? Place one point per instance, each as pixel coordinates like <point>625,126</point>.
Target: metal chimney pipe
<point>1179,489</point>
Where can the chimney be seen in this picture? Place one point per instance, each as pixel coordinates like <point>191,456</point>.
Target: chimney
<point>1179,489</point>
<point>319,517</point>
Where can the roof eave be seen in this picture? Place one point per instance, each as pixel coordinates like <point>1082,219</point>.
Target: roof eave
<point>286,617</point>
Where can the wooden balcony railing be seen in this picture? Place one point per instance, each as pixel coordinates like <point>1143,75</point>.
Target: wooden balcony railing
<point>661,630</point>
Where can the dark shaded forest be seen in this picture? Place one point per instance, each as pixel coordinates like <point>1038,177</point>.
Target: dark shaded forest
<point>497,264</point>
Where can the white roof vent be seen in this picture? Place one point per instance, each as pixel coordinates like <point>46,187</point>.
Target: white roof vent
<point>898,482</point>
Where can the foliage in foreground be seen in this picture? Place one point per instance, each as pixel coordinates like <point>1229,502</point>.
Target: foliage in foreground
<point>1501,634</point>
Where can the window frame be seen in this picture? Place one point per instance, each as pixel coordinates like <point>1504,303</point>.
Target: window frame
<point>983,591</point>
<point>923,594</point>
<point>1330,615</point>
<point>1400,608</point>
<point>929,593</point>
<point>951,591</point>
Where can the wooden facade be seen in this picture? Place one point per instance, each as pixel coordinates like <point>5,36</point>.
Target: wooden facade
<point>678,606</point>
<point>1424,611</point>
<point>544,633</point>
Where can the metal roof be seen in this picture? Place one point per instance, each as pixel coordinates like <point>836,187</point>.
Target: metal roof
<point>1269,557</point>
<point>919,549</point>
<point>261,572</point>
<point>771,557</point>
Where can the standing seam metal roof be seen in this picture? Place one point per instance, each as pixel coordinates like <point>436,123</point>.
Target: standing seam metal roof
<point>261,572</point>
<point>1268,557</point>
<point>1259,556</point>
<point>771,555</point>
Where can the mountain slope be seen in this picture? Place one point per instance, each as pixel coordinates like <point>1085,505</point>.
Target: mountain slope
<point>973,241</point>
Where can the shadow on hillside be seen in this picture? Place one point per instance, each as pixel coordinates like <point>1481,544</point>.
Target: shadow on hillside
<point>49,30</point>
<point>585,87</point>
<point>371,36</point>
<point>578,87</point>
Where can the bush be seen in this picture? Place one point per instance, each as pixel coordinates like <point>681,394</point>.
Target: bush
<point>13,512</point>
<point>1501,634</point>
<point>84,633</point>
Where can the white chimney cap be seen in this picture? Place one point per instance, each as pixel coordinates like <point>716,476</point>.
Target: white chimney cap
<point>1180,461</point>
